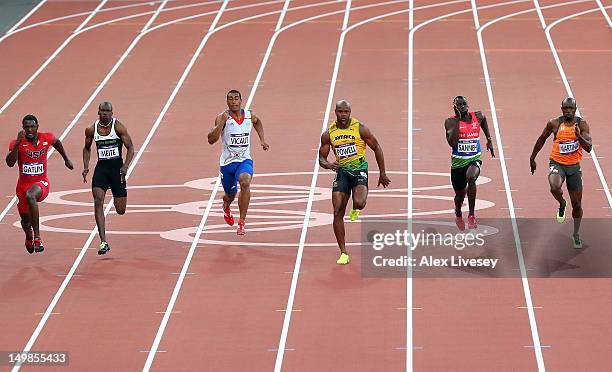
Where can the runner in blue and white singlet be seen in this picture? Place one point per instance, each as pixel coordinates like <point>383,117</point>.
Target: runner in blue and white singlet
<point>236,139</point>
<point>233,127</point>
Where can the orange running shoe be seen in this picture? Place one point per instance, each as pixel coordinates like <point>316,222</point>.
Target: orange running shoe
<point>227,216</point>
<point>472,222</point>
<point>240,230</point>
<point>460,223</point>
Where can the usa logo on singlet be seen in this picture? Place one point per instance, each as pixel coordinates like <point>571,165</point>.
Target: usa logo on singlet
<point>568,147</point>
<point>346,150</point>
<point>106,153</point>
<point>33,169</point>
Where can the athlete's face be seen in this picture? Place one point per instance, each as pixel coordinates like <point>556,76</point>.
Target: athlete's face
<point>30,129</point>
<point>343,114</point>
<point>569,111</point>
<point>461,105</point>
<point>234,102</point>
<point>105,113</point>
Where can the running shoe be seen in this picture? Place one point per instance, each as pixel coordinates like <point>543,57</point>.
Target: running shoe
<point>561,213</point>
<point>29,244</point>
<point>240,230</point>
<point>460,223</point>
<point>354,214</point>
<point>343,260</point>
<point>37,245</point>
<point>103,249</point>
<point>576,241</point>
<point>472,223</point>
<point>227,216</point>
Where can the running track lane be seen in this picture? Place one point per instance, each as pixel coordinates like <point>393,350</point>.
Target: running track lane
<point>131,272</point>
<point>62,97</point>
<point>23,52</point>
<point>570,306</point>
<point>236,291</point>
<point>16,272</point>
<point>343,321</point>
<point>60,253</point>
<point>457,316</point>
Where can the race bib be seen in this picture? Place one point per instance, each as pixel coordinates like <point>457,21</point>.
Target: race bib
<point>33,169</point>
<point>239,140</point>
<point>568,147</point>
<point>346,150</point>
<point>467,147</point>
<point>106,153</point>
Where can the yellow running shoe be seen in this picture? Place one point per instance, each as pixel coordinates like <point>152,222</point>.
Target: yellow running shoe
<point>561,213</point>
<point>354,214</point>
<point>343,260</point>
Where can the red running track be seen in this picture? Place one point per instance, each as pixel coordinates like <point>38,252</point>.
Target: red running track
<point>230,309</point>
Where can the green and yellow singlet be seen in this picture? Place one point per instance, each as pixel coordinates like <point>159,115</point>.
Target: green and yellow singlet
<point>348,146</point>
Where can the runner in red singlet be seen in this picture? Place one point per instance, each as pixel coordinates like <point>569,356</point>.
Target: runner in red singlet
<point>30,151</point>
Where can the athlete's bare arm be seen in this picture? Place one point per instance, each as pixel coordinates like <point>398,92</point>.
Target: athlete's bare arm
<point>215,132</point>
<point>258,126</point>
<point>452,131</point>
<point>122,132</point>
<point>11,157</point>
<point>485,128</point>
<point>372,142</point>
<point>89,137</point>
<point>548,130</point>
<point>584,136</point>
<point>59,147</point>
<point>324,152</point>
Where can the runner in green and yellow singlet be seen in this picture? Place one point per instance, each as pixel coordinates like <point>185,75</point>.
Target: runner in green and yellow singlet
<point>348,138</point>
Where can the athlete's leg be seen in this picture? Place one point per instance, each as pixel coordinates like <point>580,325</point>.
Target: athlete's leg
<point>244,197</point>
<point>574,187</point>
<point>227,200</point>
<point>576,200</point>
<point>98,195</point>
<point>471,174</point>
<point>120,204</point>
<point>230,186</point>
<point>339,202</point>
<point>360,196</point>
<point>556,181</point>
<point>24,213</point>
<point>26,225</point>
<point>119,190</point>
<point>32,195</point>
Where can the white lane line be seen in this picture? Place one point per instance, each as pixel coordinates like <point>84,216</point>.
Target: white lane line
<point>298,259</point>
<point>84,249</point>
<point>35,74</point>
<point>604,12</point>
<point>566,84</point>
<point>200,229</point>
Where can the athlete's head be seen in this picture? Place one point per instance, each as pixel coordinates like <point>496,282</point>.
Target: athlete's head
<point>29,123</point>
<point>105,112</point>
<point>234,100</point>
<point>343,112</point>
<point>460,105</point>
<point>568,107</point>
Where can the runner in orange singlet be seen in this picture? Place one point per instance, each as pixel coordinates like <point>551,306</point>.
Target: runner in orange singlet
<point>571,135</point>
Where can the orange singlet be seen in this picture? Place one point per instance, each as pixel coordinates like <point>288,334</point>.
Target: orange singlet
<point>566,148</point>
